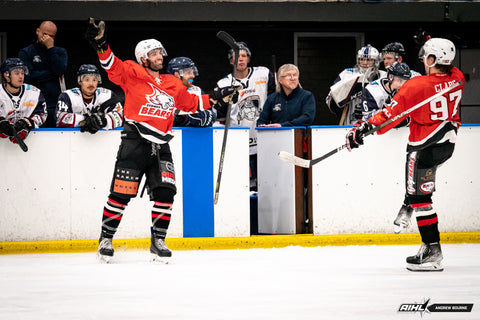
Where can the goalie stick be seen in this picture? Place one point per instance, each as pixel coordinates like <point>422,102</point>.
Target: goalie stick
<point>228,39</point>
<point>305,163</point>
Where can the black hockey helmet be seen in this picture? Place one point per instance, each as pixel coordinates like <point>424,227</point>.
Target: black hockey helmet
<point>179,64</point>
<point>88,69</point>
<point>242,46</point>
<point>399,69</point>
<point>394,47</point>
<point>11,64</point>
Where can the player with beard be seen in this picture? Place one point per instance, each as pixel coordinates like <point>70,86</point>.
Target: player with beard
<point>150,101</point>
<point>88,106</point>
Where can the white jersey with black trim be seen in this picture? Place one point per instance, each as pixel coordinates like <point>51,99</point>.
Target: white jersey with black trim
<point>354,103</point>
<point>251,99</point>
<point>72,108</point>
<point>375,98</point>
<point>28,103</point>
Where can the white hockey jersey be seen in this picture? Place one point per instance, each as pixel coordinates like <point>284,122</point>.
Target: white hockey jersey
<point>376,96</point>
<point>71,108</point>
<point>354,104</point>
<point>251,99</point>
<point>28,103</point>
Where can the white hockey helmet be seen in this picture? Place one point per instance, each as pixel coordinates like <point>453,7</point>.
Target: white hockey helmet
<point>442,49</point>
<point>368,52</point>
<point>145,46</point>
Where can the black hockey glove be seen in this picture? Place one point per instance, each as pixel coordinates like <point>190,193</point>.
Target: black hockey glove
<point>23,128</point>
<point>356,134</point>
<point>420,37</point>
<point>6,128</point>
<point>93,123</point>
<point>227,94</point>
<point>97,35</point>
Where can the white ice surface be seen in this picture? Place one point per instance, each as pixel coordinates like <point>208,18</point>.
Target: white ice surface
<point>355,282</point>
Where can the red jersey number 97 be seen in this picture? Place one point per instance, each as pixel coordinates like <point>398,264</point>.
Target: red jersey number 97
<point>439,106</point>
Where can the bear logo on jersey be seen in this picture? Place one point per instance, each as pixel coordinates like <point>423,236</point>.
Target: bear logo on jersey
<point>248,108</point>
<point>159,105</point>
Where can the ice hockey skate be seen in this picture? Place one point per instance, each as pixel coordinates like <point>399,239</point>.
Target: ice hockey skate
<point>105,249</point>
<point>402,221</point>
<point>428,258</point>
<point>159,250</point>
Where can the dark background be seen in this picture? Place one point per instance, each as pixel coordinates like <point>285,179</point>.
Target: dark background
<point>189,29</point>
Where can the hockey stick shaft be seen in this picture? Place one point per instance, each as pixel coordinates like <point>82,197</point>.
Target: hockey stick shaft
<point>228,39</point>
<point>20,142</point>
<point>370,132</point>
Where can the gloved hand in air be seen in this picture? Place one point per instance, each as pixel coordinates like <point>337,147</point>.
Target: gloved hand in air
<point>97,35</point>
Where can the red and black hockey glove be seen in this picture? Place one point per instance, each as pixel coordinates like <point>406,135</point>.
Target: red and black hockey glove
<point>6,128</point>
<point>23,128</point>
<point>356,134</point>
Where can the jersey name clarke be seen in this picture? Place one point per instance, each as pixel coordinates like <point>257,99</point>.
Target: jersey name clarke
<point>159,104</point>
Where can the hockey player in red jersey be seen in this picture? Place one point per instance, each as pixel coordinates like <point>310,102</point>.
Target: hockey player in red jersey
<point>150,101</point>
<point>433,132</point>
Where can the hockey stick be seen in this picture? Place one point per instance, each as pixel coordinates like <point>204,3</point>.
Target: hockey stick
<point>290,158</point>
<point>228,39</point>
<point>20,142</point>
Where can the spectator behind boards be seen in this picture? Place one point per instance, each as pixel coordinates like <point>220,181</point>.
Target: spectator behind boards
<point>184,69</point>
<point>46,65</point>
<point>22,106</point>
<point>291,105</point>
<point>88,106</point>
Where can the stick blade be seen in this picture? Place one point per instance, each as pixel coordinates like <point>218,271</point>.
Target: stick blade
<point>290,158</point>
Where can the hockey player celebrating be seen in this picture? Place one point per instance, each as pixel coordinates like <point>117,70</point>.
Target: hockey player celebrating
<point>88,106</point>
<point>433,131</point>
<point>150,101</point>
<point>349,86</point>
<point>258,83</point>
<point>184,69</point>
<point>22,106</point>
<point>379,93</point>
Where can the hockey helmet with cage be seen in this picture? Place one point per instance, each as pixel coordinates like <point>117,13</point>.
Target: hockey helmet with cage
<point>145,46</point>
<point>11,64</point>
<point>242,46</point>
<point>88,69</point>
<point>400,70</point>
<point>394,47</point>
<point>179,64</point>
<point>371,53</point>
<point>442,49</point>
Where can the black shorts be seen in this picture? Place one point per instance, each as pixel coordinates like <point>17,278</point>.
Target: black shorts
<point>136,157</point>
<point>420,171</point>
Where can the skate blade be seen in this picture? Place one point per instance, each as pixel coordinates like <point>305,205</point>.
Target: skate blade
<point>425,267</point>
<point>103,258</point>
<point>157,259</point>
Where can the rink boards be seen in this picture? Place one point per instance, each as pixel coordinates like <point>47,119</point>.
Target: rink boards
<point>57,190</point>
